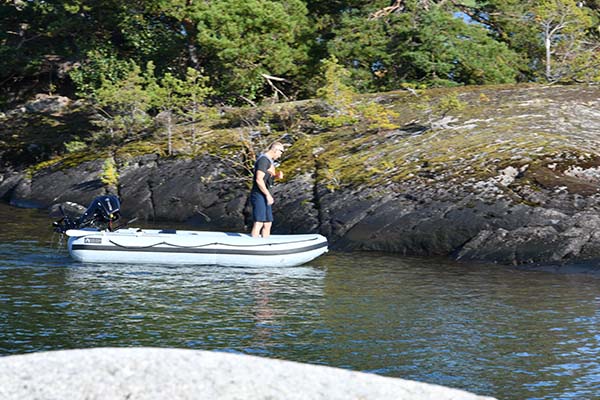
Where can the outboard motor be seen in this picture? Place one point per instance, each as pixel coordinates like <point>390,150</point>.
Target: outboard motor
<point>101,213</point>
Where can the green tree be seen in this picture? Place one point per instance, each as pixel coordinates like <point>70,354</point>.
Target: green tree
<point>34,35</point>
<point>98,66</point>
<point>437,110</point>
<point>39,40</point>
<point>241,41</point>
<point>337,94</point>
<point>124,103</point>
<point>252,50</point>
<point>346,107</point>
<point>127,104</point>
<point>555,39</point>
<point>506,21</point>
<point>564,27</point>
<point>178,98</point>
<point>414,44</point>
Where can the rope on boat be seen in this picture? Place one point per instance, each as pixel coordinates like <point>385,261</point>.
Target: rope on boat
<point>208,244</point>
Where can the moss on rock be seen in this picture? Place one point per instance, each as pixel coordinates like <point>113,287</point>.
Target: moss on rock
<point>498,126</point>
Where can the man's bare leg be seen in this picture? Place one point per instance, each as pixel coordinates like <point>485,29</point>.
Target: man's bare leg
<point>266,230</point>
<point>256,228</point>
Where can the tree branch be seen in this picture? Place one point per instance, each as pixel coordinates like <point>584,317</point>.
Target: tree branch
<point>271,78</point>
<point>397,5</point>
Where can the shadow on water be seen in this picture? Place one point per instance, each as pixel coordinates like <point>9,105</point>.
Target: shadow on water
<point>488,329</point>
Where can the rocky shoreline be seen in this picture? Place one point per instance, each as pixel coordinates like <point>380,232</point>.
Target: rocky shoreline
<point>531,198</point>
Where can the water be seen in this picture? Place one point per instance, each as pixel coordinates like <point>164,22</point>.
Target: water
<point>488,329</point>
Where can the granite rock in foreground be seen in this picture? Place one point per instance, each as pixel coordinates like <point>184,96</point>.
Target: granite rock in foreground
<point>153,373</point>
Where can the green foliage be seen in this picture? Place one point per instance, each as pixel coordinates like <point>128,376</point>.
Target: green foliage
<point>241,40</point>
<point>506,21</point>
<point>146,28</point>
<point>99,66</point>
<point>109,175</point>
<point>178,97</point>
<point>331,179</point>
<point>421,45</point>
<point>438,109</point>
<point>125,103</point>
<point>336,90</point>
<point>47,46</point>
<point>336,94</point>
<point>30,31</point>
<point>75,146</point>
<point>377,116</point>
<point>333,121</point>
<point>564,26</point>
<point>41,40</point>
<point>449,103</point>
<point>584,67</point>
<point>343,100</point>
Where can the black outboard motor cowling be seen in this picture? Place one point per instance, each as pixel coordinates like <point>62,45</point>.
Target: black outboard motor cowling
<point>103,210</point>
<point>101,213</point>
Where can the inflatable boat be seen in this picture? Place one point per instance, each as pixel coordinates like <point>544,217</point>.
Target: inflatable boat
<point>135,246</point>
<point>94,238</point>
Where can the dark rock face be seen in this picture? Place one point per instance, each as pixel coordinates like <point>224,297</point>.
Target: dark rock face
<point>296,209</point>
<point>193,191</point>
<point>134,190</point>
<point>80,184</point>
<point>467,222</point>
<point>9,180</point>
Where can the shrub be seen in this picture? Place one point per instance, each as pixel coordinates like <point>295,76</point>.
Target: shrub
<point>109,175</point>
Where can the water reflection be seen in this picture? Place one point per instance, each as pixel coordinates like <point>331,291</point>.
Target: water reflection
<point>509,333</point>
<point>214,307</point>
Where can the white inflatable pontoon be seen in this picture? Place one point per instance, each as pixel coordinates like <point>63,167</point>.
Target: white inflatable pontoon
<point>137,246</point>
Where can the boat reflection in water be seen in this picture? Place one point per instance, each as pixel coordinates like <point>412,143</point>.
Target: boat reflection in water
<point>249,310</point>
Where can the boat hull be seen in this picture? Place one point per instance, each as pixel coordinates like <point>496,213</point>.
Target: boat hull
<point>137,246</point>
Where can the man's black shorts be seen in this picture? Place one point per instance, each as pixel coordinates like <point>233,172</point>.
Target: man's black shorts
<point>261,211</point>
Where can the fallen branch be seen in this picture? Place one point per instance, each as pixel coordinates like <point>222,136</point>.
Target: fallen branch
<point>271,78</point>
<point>384,12</point>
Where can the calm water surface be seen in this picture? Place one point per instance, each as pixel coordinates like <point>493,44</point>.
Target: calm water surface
<point>487,329</point>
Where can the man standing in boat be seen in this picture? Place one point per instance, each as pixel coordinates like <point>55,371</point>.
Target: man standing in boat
<point>260,196</point>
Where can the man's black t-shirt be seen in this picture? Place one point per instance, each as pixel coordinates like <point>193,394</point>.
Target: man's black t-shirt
<point>263,163</point>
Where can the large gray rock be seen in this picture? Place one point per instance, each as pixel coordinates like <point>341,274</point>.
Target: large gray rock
<point>81,182</point>
<point>48,104</point>
<point>176,374</point>
<point>8,183</point>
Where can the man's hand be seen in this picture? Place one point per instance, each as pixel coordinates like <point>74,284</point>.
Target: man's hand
<point>270,199</point>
